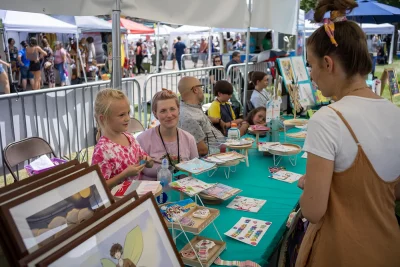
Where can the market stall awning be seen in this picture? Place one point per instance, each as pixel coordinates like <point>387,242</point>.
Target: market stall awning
<point>211,13</point>
<point>134,27</point>
<point>279,15</point>
<point>188,29</point>
<point>164,30</point>
<point>87,23</point>
<point>34,22</point>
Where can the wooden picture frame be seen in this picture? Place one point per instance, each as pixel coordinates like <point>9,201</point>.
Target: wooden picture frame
<point>38,182</point>
<point>125,226</point>
<point>389,77</point>
<point>58,243</point>
<point>75,196</point>
<point>32,179</point>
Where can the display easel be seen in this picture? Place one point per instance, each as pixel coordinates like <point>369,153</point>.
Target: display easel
<point>389,76</point>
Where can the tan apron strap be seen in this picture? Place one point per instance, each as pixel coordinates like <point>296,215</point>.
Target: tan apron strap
<point>345,123</point>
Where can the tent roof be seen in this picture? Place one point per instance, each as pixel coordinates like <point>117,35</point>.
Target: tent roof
<point>188,29</point>
<point>164,30</point>
<point>34,22</point>
<point>368,28</point>
<point>134,27</point>
<point>198,12</point>
<point>87,23</point>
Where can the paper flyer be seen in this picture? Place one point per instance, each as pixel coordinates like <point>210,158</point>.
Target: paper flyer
<point>147,186</point>
<point>286,176</point>
<point>246,204</point>
<point>249,231</point>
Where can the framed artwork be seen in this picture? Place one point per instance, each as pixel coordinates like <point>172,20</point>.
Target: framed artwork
<point>38,183</point>
<point>300,70</point>
<point>286,68</point>
<point>58,243</point>
<point>389,76</point>
<point>134,236</point>
<point>47,213</point>
<point>306,95</point>
<point>10,188</point>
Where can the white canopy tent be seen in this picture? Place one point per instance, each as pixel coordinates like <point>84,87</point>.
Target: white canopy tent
<point>163,30</point>
<point>34,22</point>
<point>202,13</point>
<point>188,29</point>
<point>368,28</point>
<point>87,23</point>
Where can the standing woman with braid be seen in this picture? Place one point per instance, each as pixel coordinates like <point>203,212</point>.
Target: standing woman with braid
<point>353,171</point>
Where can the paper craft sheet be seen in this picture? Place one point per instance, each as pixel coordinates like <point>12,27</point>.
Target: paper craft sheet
<point>249,231</point>
<point>264,146</point>
<point>222,191</point>
<point>195,166</point>
<point>147,186</point>
<point>190,186</point>
<point>246,204</point>
<point>286,176</point>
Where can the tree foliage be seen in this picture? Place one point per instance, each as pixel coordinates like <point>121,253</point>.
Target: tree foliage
<point>310,4</point>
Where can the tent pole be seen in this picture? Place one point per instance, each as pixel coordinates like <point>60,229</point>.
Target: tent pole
<point>297,28</point>
<point>80,57</point>
<point>158,47</point>
<point>246,66</point>
<point>116,46</point>
<point>209,48</point>
<point>392,46</point>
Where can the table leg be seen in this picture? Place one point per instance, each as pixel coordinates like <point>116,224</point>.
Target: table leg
<point>257,139</point>
<point>181,196</point>
<point>246,153</point>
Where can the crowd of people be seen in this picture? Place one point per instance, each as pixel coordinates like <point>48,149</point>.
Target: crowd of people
<point>36,58</point>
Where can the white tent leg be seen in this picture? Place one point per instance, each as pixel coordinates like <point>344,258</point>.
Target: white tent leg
<point>116,46</point>
<point>80,58</point>
<point>158,46</point>
<point>391,47</point>
<point>209,49</point>
<point>246,66</point>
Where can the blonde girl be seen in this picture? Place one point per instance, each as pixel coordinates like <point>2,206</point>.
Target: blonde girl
<point>117,152</point>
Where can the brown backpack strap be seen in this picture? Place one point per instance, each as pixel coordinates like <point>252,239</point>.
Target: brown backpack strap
<point>345,123</point>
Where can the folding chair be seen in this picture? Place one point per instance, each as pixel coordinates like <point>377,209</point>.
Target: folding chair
<point>18,152</point>
<point>135,126</point>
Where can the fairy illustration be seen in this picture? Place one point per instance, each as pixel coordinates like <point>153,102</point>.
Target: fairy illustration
<point>130,254</point>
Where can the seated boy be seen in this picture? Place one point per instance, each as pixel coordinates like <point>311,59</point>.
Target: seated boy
<point>221,112</point>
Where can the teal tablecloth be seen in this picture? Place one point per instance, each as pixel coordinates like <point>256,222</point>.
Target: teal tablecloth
<point>281,198</point>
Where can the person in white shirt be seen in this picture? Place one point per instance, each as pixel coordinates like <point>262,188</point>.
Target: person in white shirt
<point>260,96</point>
<point>352,175</point>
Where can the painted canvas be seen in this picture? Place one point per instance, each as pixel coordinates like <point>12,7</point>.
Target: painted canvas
<point>287,70</point>
<point>56,219</point>
<point>299,69</point>
<point>135,239</point>
<point>393,84</point>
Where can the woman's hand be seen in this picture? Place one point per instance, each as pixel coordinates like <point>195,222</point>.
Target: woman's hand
<point>149,161</point>
<point>133,170</point>
<point>302,181</point>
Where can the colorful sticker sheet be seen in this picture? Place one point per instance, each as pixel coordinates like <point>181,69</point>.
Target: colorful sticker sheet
<point>249,231</point>
<point>190,186</point>
<point>195,166</point>
<point>246,204</point>
<point>222,191</point>
<point>174,211</point>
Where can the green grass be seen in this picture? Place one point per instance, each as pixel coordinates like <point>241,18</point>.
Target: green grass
<point>378,73</point>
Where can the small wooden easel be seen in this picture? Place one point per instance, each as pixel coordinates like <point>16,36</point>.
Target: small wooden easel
<point>389,77</point>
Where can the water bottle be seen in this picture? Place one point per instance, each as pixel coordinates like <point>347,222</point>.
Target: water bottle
<point>165,177</point>
<point>234,133</point>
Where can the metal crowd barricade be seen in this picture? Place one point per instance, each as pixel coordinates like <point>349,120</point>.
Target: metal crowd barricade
<point>189,60</point>
<point>236,72</point>
<point>63,116</point>
<point>170,80</point>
